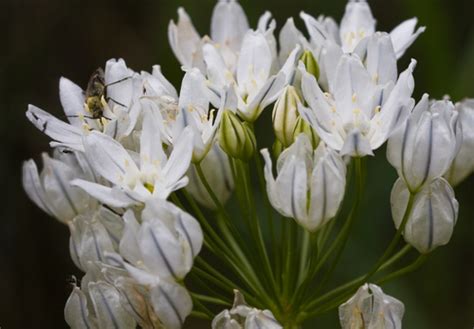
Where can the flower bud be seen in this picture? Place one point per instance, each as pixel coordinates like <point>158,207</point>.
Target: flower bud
<point>309,186</point>
<point>235,137</point>
<point>302,127</point>
<point>277,148</point>
<point>432,217</point>
<point>424,148</point>
<point>370,308</point>
<point>463,164</point>
<point>310,63</point>
<point>285,115</point>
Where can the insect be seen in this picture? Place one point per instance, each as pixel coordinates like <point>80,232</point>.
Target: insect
<point>96,94</point>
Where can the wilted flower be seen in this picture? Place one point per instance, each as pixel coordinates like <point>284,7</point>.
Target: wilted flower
<point>370,308</point>
<point>310,184</point>
<point>433,215</point>
<point>96,305</point>
<point>424,148</point>
<point>242,316</point>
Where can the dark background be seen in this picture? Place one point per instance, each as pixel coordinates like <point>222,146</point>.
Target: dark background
<point>42,40</point>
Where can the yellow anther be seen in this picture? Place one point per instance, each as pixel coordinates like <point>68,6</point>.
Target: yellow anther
<point>356,111</point>
<point>149,187</point>
<point>354,97</point>
<point>377,109</point>
<point>375,78</point>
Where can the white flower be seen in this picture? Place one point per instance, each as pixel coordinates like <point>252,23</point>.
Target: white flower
<point>165,243</point>
<point>216,168</point>
<point>370,308</point>
<point>229,25</point>
<point>194,112</point>
<point>356,25</point>
<point>135,181</point>
<point>254,83</point>
<point>310,184</point>
<point>93,236</point>
<point>424,148</point>
<point>51,190</point>
<point>357,115</point>
<point>117,102</point>
<point>434,214</point>
<point>242,316</point>
<point>463,164</point>
<point>159,251</point>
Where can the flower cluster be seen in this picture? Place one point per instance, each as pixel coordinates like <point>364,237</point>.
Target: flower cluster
<point>141,173</point>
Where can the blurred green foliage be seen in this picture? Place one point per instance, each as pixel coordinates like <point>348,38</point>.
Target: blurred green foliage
<point>45,39</point>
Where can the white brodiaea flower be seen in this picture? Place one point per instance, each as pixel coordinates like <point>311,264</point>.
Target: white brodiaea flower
<point>51,190</point>
<point>152,175</point>
<point>229,25</point>
<point>253,81</point>
<point>194,111</point>
<point>356,25</point>
<point>424,147</point>
<point>433,216</point>
<point>370,308</point>
<point>310,184</point>
<point>243,316</point>
<point>362,106</point>
<point>117,116</point>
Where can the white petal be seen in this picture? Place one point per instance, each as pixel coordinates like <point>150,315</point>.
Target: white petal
<point>109,158</point>
<point>255,62</point>
<point>172,304</point>
<point>119,83</point>
<point>356,145</point>
<point>403,36</point>
<point>76,313</point>
<point>356,24</point>
<point>65,200</point>
<point>381,61</point>
<point>56,129</point>
<point>180,158</point>
<point>33,186</point>
<point>114,197</point>
<point>110,313</point>
<point>129,244</point>
<point>183,38</point>
<point>289,37</point>
<point>229,24</point>
<point>72,99</point>
<point>151,149</point>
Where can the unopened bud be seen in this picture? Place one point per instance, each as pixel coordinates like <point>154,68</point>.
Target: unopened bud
<point>310,63</point>
<point>302,127</point>
<point>277,148</point>
<point>285,115</point>
<point>235,137</point>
